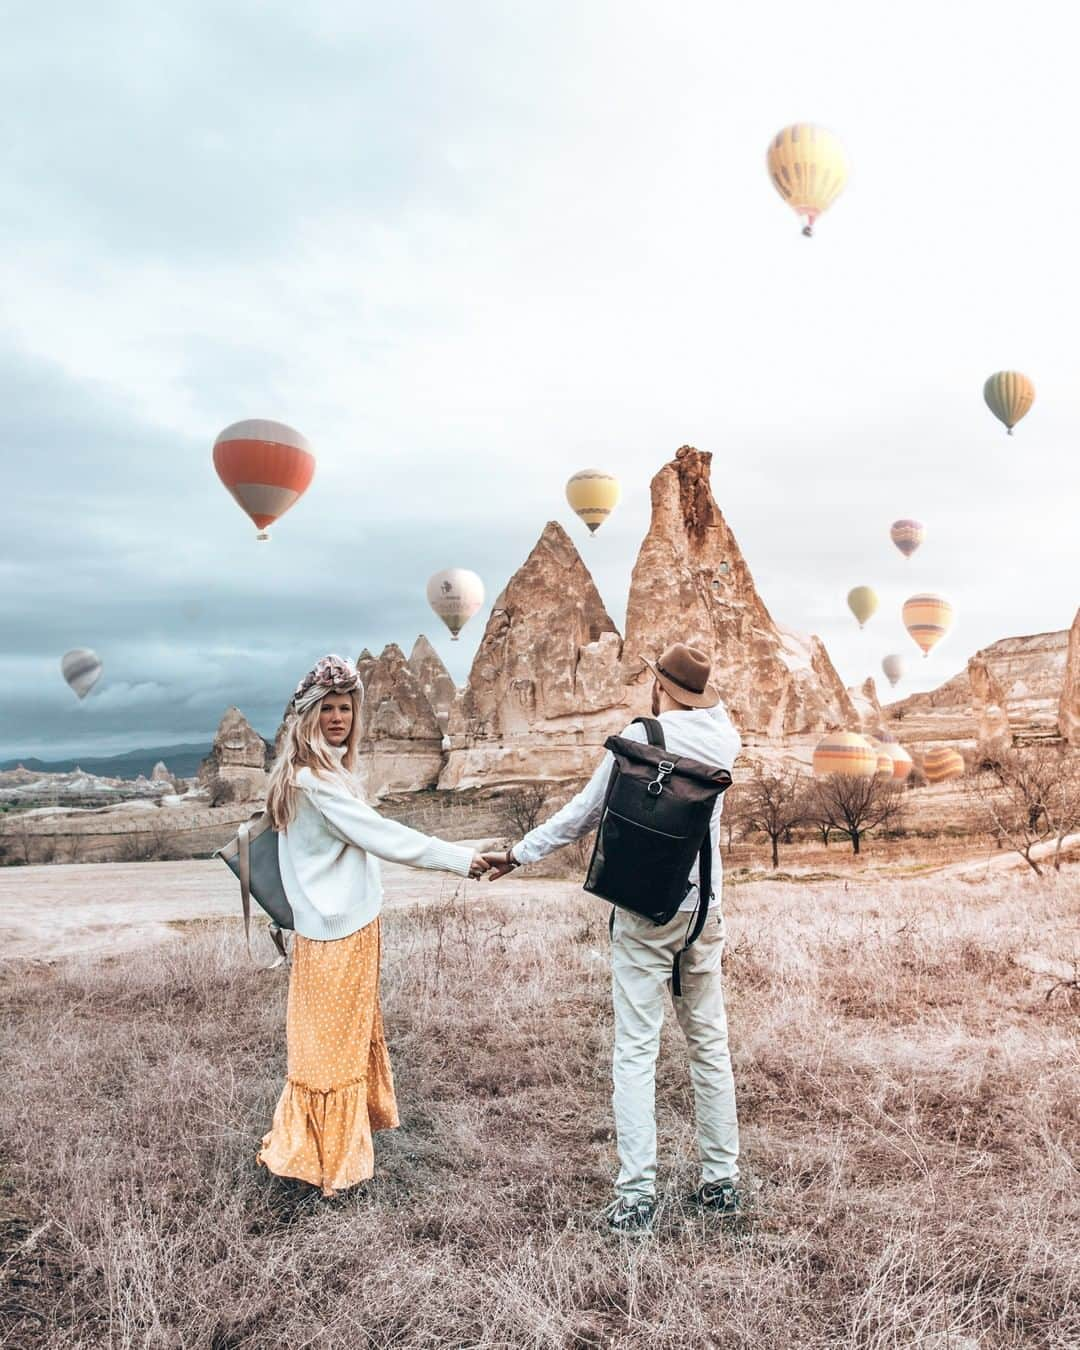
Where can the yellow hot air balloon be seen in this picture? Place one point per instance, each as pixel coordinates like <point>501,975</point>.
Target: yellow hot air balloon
<point>594,495</point>
<point>846,753</point>
<point>927,618</point>
<point>863,603</point>
<point>943,763</point>
<point>808,168</point>
<point>1009,396</point>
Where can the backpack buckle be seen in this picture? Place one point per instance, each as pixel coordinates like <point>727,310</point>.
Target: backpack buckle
<point>663,769</point>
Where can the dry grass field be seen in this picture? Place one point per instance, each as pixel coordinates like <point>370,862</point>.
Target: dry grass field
<point>910,1099</point>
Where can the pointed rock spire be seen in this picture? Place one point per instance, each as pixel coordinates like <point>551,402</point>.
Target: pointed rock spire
<point>439,689</point>
<point>691,584</point>
<point>400,738</point>
<point>545,677</point>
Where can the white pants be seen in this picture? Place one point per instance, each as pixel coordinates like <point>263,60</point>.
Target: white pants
<point>641,956</point>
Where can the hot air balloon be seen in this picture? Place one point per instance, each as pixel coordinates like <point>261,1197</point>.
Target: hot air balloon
<point>82,669</point>
<point>594,495</point>
<point>1009,396</point>
<point>884,768</point>
<point>808,168</point>
<point>863,603</point>
<point>901,761</point>
<point>846,753</point>
<point>942,763</point>
<point>893,666</point>
<point>267,467</point>
<point>455,595</point>
<point>927,618</point>
<point>907,535</point>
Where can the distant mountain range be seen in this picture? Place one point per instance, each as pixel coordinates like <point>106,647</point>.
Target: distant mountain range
<point>182,761</point>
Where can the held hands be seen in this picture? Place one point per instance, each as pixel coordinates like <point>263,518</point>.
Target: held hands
<point>498,864</point>
<point>478,866</point>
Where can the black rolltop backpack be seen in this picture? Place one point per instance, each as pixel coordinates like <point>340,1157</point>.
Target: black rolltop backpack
<point>655,821</point>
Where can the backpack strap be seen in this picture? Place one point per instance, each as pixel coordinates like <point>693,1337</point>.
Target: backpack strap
<point>700,914</point>
<point>243,860</point>
<point>653,729</point>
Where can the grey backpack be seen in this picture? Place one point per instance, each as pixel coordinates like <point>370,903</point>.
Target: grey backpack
<point>252,857</point>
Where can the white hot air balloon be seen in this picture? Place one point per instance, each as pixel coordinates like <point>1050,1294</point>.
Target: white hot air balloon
<point>455,595</point>
<point>893,666</point>
<point>82,669</point>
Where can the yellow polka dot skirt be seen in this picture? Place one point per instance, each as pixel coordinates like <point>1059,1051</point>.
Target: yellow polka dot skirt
<point>339,1086</point>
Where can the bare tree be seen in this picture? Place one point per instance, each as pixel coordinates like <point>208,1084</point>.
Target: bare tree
<point>853,806</point>
<point>772,802</point>
<point>522,808</point>
<point>1030,796</point>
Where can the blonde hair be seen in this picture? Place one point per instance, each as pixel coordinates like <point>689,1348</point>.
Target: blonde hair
<point>305,747</point>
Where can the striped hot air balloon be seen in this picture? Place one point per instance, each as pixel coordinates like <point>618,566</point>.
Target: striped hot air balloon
<point>863,602</point>
<point>902,762</point>
<point>267,467</point>
<point>942,763</point>
<point>593,494</point>
<point>1009,396</point>
<point>884,758</point>
<point>808,168</point>
<point>907,535</point>
<point>847,753</point>
<point>82,669</point>
<point>927,618</point>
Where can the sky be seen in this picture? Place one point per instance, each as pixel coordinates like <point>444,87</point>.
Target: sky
<point>470,249</point>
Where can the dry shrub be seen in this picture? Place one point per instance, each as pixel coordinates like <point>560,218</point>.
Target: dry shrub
<point>908,1096</point>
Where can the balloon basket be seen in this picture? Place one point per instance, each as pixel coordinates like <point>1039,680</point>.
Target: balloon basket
<point>263,537</point>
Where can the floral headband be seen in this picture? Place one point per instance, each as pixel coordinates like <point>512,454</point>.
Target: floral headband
<point>331,675</point>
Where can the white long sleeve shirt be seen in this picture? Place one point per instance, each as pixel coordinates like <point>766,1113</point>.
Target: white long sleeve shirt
<point>329,857</point>
<point>704,734</point>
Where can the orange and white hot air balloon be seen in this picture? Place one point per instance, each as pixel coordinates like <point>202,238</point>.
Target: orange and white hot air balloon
<point>267,467</point>
<point>942,763</point>
<point>927,618</point>
<point>902,763</point>
<point>846,753</point>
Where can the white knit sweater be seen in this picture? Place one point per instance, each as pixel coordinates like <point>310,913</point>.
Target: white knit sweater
<point>329,857</point>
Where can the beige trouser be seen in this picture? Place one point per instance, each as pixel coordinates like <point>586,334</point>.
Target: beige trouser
<point>641,956</point>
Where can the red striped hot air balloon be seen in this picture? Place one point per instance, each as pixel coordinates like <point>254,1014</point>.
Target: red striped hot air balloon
<point>267,467</point>
<point>907,535</point>
<point>847,753</point>
<point>942,763</point>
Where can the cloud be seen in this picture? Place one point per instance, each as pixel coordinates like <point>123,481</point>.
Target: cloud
<point>471,249</point>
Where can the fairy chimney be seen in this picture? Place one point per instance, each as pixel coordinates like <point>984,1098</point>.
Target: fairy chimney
<point>692,584</point>
<point>545,687</point>
<point>235,769</point>
<point>434,679</point>
<point>400,738</point>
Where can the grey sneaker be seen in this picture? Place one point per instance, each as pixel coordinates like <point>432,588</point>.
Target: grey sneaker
<point>631,1218</point>
<point>717,1197</point>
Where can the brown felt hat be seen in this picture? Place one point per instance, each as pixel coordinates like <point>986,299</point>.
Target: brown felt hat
<point>684,672</point>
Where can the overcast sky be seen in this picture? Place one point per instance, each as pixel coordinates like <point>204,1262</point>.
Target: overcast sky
<point>469,249</point>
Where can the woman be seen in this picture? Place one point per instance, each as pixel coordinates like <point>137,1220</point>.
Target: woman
<point>339,1086</point>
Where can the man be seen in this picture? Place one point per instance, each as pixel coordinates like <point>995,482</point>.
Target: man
<point>695,725</point>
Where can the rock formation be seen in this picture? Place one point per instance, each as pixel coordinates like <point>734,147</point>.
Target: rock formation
<point>439,689</point>
<point>1010,694</point>
<point>235,769</point>
<point>1069,706</point>
<point>545,687</point>
<point>864,699</point>
<point>400,739</point>
<point>691,583</point>
<point>160,773</point>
